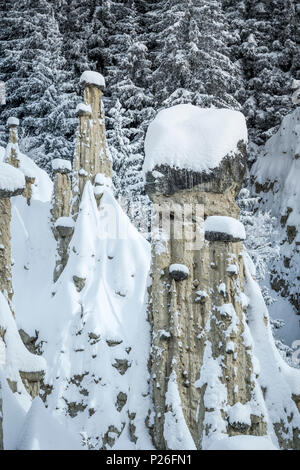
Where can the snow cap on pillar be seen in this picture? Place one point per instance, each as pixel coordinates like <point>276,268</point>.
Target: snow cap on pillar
<point>13,121</point>
<point>90,78</point>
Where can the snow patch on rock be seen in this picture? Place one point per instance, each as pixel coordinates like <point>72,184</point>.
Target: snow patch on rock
<point>186,136</point>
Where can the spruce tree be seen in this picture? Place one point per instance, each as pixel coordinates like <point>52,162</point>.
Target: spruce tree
<point>38,92</point>
<point>268,50</point>
<point>191,54</point>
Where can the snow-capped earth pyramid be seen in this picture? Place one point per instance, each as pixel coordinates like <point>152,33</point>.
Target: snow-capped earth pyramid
<point>215,371</point>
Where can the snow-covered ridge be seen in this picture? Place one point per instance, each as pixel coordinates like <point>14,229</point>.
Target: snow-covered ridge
<point>186,136</point>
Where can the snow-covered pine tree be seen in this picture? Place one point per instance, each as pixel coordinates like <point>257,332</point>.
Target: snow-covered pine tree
<point>268,48</point>
<point>191,54</point>
<point>128,97</point>
<point>33,67</point>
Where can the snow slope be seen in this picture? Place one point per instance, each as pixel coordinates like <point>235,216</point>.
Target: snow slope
<point>96,366</point>
<point>275,177</point>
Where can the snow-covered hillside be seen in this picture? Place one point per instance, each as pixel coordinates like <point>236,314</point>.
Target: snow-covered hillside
<point>93,337</point>
<point>96,341</point>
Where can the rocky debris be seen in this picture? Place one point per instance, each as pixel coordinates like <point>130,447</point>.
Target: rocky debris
<point>73,408</point>
<point>31,381</point>
<point>121,401</point>
<point>65,226</point>
<point>121,365</point>
<point>79,283</point>
<point>110,436</point>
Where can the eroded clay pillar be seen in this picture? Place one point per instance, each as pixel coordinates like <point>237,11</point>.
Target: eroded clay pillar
<point>201,352</point>
<point>62,223</point>
<point>12,183</point>
<point>12,156</point>
<point>90,156</point>
<point>12,149</point>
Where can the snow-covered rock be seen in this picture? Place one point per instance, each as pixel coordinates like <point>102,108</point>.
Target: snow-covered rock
<point>83,108</point>
<point>222,228</point>
<point>13,121</point>
<point>186,136</point>
<point>61,165</point>
<point>92,78</point>
<point>179,272</point>
<point>12,181</point>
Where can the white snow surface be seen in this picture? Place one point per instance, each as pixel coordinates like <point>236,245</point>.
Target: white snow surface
<point>239,413</point>
<point>223,224</point>
<point>186,136</point>
<point>82,107</point>
<point>61,164</point>
<point>87,333</point>
<point>179,267</point>
<point>13,121</point>
<point>11,179</point>
<point>176,432</point>
<point>92,78</point>
<point>65,222</point>
<point>279,163</point>
<point>43,431</point>
<point>242,442</point>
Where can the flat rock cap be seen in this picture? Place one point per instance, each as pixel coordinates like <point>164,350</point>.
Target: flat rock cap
<point>13,121</point>
<point>92,78</point>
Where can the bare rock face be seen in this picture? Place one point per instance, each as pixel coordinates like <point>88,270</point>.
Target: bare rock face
<point>90,155</point>
<point>60,208</point>
<point>12,149</point>
<point>201,352</point>
<point>11,184</point>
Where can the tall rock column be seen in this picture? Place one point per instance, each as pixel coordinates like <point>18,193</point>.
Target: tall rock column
<point>12,183</point>
<point>90,156</point>
<point>203,378</point>
<point>12,149</point>
<point>12,156</point>
<point>62,223</point>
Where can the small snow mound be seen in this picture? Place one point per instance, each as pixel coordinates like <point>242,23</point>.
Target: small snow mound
<point>102,180</point>
<point>65,222</point>
<point>11,179</point>
<point>186,136</point>
<point>59,164</point>
<point>92,78</point>
<point>13,121</point>
<point>229,226</point>
<point>239,414</point>
<point>179,272</point>
<point>43,431</point>
<point>242,442</point>
<point>83,108</point>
